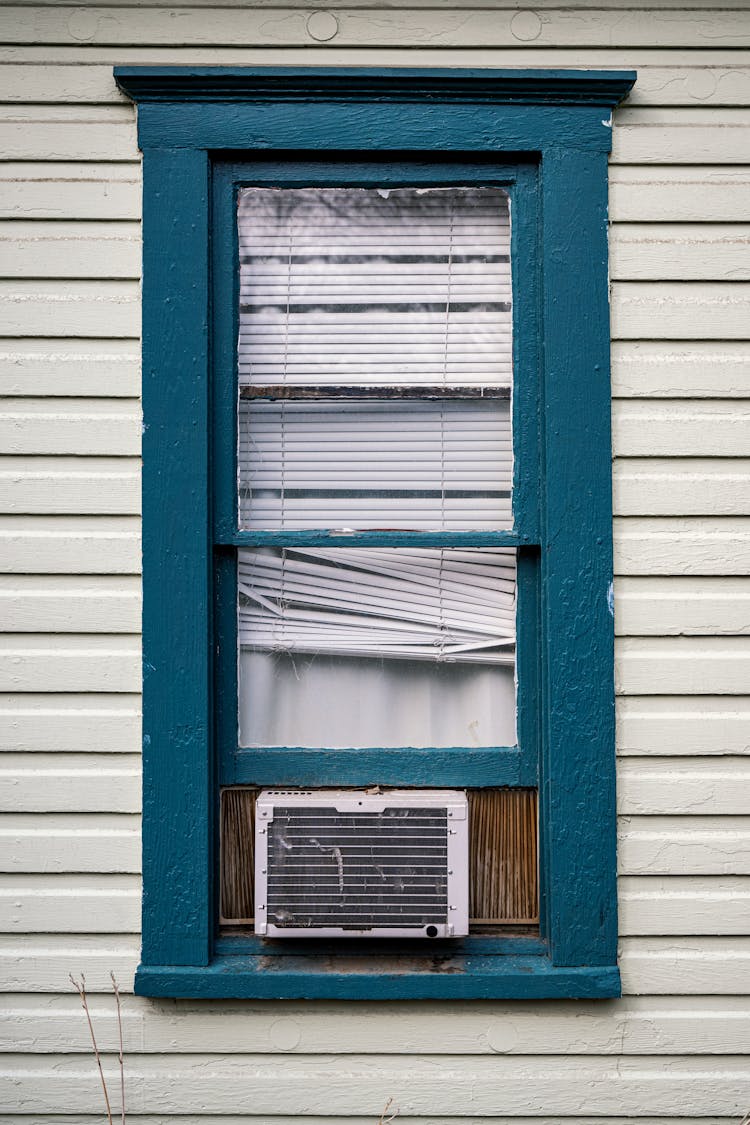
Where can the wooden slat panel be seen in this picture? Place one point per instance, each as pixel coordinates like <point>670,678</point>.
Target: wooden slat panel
<point>503,882</point>
<point>63,604</point>
<point>689,486</point>
<point>684,845</point>
<point>31,904</point>
<point>24,139</point>
<point>68,545</point>
<point>682,606</point>
<point>698,194</point>
<point>98,309</point>
<point>66,425</point>
<point>56,367</point>
<point>30,662</point>
<point>674,251</point>
<point>683,785</point>
<point>683,905</point>
<point>682,546</point>
<point>679,370</point>
<point>60,249</point>
<point>49,724</point>
<point>680,311</point>
<point>91,486</point>
<point>436,26</point>
<point>419,1084</point>
<point>670,428</point>
<point>70,782</point>
<point>237,860</point>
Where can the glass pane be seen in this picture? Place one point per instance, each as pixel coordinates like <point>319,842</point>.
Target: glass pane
<point>358,290</point>
<point>378,464</point>
<point>377,647</point>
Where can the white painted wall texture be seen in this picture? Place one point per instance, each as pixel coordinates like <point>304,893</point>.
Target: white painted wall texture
<point>674,1047</point>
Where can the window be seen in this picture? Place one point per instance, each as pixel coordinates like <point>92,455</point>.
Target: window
<point>468,241</point>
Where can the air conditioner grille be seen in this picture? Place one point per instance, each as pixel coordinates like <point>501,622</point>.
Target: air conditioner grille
<point>357,870</point>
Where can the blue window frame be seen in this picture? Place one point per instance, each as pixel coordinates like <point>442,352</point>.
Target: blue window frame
<point>544,137</point>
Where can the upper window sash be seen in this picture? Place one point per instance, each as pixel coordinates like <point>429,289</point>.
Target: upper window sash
<point>520,183</point>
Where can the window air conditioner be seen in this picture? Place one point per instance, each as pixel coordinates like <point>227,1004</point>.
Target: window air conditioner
<point>348,863</point>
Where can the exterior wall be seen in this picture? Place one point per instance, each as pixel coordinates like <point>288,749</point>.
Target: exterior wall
<point>69,590</point>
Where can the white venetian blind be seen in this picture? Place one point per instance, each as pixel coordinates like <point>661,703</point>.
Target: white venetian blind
<point>424,604</point>
<point>375,359</point>
<point>373,287</point>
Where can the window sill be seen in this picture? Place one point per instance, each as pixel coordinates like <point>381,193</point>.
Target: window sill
<point>239,972</point>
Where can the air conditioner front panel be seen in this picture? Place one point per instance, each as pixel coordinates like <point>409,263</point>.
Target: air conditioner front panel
<point>349,864</point>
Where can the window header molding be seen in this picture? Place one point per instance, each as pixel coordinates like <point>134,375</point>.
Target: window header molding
<point>248,108</point>
<point>395,84</point>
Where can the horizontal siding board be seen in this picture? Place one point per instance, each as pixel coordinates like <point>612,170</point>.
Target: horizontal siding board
<point>79,250</point>
<point>68,545</point>
<point>674,965</point>
<point>676,370</point>
<point>56,842</point>
<point>30,490</point>
<point>35,663</point>
<point>682,665</point>
<point>87,191</point>
<point>46,723</point>
<point>683,905</point>
<point>676,252</point>
<point>71,426</point>
<point>677,85</point>
<point>69,604</point>
<point>43,963</point>
<point>99,309</point>
<point>689,486</point>
<point>680,310</point>
<point>31,904</point>
<point>701,786</point>
<point>684,845</point>
<point>682,606</point>
<point>71,782</point>
<point>682,194</point>
<point>549,1084</point>
<point>357,27</point>
<point>632,1027</point>
<point>658,726</point>
<point>22,139</point>
<point>84,368</point>
<point>682,546</point>
<point>682,429</point>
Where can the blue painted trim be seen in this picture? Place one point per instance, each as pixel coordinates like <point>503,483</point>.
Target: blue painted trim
<point>458,766</point>
<point>578,792</point>
<point>504,945</point>
<point>295,84</point>
<point>378,539</point>
<point>178,785</point>
<point>307,977</point>
<point>556,128</point>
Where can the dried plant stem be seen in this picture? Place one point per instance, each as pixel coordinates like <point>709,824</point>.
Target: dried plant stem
<point>121,1060</point>
<point>386,1117</point>
<point>81,990</point>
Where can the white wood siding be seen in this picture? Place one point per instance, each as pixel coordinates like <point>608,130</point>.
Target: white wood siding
<point>675,1047</point>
